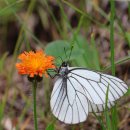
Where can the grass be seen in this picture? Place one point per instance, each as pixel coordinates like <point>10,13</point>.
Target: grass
<point>112,36</point>
<point>85,52</point>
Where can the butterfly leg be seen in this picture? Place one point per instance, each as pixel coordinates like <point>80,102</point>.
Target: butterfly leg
<point>53,76</point>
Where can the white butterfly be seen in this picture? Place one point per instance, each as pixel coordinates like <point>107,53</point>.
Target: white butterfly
<point>78,91</point>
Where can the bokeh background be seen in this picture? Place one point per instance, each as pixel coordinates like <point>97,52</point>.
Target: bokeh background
<point>53,25</point>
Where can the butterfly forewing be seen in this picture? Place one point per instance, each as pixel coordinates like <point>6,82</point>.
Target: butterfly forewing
<point>95,85</point>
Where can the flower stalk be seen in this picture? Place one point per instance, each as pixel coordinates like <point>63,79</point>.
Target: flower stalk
<point>34,103</point>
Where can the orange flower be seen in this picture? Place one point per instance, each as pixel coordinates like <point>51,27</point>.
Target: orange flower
<point>34,63</point>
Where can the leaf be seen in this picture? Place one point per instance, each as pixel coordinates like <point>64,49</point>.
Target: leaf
<point>50,127</point>
<point>83,54</point>
<point>89,56</point>
<point>56,48</point>
<point>61,49</point>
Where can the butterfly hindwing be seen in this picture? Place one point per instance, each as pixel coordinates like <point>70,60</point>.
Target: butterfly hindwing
<point>99,107</point>
<point>67,104</point>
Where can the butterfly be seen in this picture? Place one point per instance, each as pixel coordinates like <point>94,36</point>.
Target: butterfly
<point>78,91</point>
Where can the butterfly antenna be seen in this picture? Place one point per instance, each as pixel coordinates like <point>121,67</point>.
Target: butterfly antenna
<point>60,58</point>
<point>65,53</point>
<point>70,52</point>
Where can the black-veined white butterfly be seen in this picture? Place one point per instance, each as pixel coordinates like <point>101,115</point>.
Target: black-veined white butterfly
<point>78,91</point>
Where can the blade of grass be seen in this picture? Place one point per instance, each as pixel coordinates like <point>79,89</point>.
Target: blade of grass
<point>106,113</point>
<point>112,2</point>
<point>29,11</point>
<point>100,121</point>
<point>114,117</point>
<point>28,103</point>
<point>73,127</point>
<point>50,127</point>
<point>75,34</point>
<point>125,34</point>
<point>129,10</point>
<point>25,27</point>
<point>96,55</point>
<point>3,102</point>
<point>83,13</point>
<point>11,72</point>
<point>27,44</point>
<point>119,62</point>
<point>21,34</point>
<point>53,17</point>
<point>65,21</point>
<point>101,11</point>
<point>74,39</point>
<point>2,60</point>
<point>2,11</point>
<point>114,109</point>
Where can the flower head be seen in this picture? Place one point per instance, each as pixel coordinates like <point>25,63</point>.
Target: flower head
<point>34,63</point>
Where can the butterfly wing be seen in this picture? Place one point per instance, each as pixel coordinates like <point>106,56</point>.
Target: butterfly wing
<point>99,107</point>
<point>68,104</point>
<point>95,85</point>
<point>84,91</point>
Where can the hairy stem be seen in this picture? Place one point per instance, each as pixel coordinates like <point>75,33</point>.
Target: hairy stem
<point>34,104</point>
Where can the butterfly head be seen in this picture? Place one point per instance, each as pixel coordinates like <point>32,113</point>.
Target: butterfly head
<point>64,64</point>
<point>63,69</point>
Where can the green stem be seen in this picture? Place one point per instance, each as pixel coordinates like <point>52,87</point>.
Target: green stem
<point>112,35</point>
<point>34,104</point>
<point>114,116</point>
<point>129,10</point>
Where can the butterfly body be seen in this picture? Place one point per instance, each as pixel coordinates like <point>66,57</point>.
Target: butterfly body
<point>78,91</point>
<point>63,70</point>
